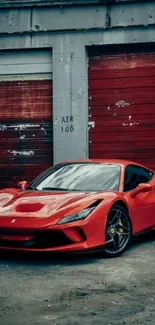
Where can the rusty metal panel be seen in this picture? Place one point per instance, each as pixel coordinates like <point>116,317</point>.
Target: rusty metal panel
<point>26,130</point>
<point>122,107</point>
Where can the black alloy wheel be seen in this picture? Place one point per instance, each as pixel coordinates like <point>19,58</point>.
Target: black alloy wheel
<point>118,231</point>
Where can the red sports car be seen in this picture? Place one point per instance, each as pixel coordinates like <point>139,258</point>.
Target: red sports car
<point>79,206</point>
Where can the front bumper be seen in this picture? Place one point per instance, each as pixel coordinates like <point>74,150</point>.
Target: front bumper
<point>77,236</point>
<point>54,240</point>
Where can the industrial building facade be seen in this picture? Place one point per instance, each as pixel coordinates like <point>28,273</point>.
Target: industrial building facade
<point>76,81</point>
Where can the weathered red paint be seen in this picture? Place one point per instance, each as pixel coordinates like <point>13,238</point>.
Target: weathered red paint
<point>122,105</point>
<point>26,130</point>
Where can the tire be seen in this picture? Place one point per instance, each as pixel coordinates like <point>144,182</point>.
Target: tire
<point>118,231</point>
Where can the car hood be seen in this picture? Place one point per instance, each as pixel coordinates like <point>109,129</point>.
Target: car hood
<point>42,205</point>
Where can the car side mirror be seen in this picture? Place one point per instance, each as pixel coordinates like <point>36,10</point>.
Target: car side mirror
<point>23,185</point>
<point>141,188</point>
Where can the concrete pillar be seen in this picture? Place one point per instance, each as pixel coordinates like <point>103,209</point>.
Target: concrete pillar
<point>70,99</point>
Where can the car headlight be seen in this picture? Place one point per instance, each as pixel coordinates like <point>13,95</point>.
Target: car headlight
<point>77,216</point>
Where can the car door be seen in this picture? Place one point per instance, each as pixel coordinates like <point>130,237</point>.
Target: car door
<point>142,206</point>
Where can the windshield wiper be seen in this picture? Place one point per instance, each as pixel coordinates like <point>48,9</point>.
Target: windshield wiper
<point>61,189</point>
<point>54,189</point>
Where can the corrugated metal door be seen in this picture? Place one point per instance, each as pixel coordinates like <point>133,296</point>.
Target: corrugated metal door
<point>26,135</point>
<point>122,107</point>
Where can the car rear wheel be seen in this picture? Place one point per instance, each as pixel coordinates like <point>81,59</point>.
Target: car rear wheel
<point>118,231</point>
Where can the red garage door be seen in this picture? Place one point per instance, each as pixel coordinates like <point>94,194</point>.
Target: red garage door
<point>122,107</point>
<point>26,136</point>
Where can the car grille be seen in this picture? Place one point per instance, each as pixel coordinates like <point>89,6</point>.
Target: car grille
<point>45,239</point>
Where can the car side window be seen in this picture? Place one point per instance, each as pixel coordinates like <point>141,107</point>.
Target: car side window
<point>134,175</point>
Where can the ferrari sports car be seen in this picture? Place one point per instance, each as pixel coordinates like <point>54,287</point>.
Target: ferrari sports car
<point>79,206</point>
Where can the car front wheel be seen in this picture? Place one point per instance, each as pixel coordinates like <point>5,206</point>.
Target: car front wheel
<point>117,232</point>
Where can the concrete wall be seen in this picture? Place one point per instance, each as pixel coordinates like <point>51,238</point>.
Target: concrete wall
<point>68,31</point>
<point>25,62</point>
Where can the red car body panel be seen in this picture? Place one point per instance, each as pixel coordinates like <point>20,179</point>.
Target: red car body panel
<point>25,215</point>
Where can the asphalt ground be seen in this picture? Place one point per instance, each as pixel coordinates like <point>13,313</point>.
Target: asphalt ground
<point>85,289</point>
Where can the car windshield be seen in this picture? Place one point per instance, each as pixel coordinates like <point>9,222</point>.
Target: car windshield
<point>80,177</point>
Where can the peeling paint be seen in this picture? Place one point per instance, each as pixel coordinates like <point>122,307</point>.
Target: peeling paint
<point>22,83</point>
<point>3,127</point>
<point>130,117</point>
<point>43,129</point>
<point>135,123</point>
<point>24,126</point>
<point>22,136</point>
<point>20,127</point>
<point>91,124</point>
<point>25,149</point>
<point>22,153</point>
<point>125,124</point>
<point>130,124</point>
<point>122,103</point>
